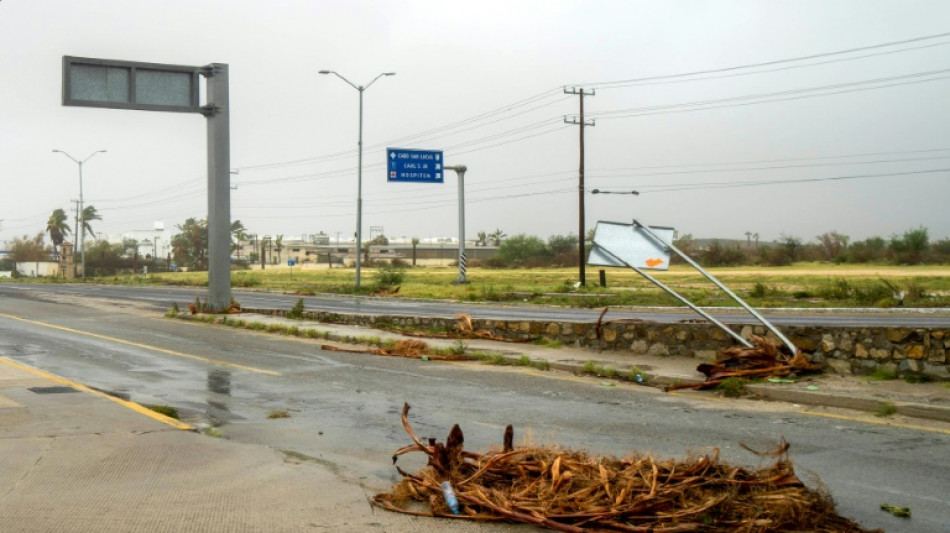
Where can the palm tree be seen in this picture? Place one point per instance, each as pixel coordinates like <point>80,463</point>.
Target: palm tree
<point>89,213</point>
<point>497,236</point>
<point>57,227</point>
<point>238,235</point>
<point>415,242</point>
<point>482,239</point>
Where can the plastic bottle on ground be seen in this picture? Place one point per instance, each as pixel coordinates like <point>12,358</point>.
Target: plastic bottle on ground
<point>450,499</point>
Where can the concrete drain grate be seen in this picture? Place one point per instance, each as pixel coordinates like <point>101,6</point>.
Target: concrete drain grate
<point>51,390</point>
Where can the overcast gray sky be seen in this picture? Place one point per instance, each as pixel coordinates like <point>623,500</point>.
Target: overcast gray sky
<point>484,82</point>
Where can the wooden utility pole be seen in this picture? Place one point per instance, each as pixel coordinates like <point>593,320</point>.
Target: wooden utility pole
<point>579,120</point>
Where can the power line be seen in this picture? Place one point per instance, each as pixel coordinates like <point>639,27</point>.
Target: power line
<point>622,113</point>
<point>778,69</point>
<point>780,167</point>
<point>760,161</point>
<point>774,62</point>
<point>739,184</point>
<point>481,116</point>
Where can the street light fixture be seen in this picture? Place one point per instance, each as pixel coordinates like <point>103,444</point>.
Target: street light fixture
<point>598,191</point>
<point>82,226</point>
<point>359,172</point>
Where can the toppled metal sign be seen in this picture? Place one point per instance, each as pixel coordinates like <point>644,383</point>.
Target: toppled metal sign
<point>631,244</point>
<point>642,247</point>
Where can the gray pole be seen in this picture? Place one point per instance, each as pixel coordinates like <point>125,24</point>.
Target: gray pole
<point>460,170</point>
<point>359,195</point>
<point>82,224</point>
<point>82,221</point>
<point>75,235</point>
<point>359,171</point>
<point>710,277</point>
<point>219,187</point>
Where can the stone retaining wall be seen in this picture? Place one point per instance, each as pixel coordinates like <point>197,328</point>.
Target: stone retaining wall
<point>846,350</point>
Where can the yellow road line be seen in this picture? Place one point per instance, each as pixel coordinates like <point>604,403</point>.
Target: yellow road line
<point>131,405</point>
<point>878,422</point>
<point>144,346</point>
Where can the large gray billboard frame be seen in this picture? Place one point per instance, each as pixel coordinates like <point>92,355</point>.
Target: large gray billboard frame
<point>118,84</point>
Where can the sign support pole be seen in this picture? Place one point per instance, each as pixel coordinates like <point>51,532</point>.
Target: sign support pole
<point>219,186</point>
<point>460,170</point>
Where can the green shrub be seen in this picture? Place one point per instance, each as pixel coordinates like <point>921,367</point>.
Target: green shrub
<point>732,387</point>
<point>389,276</point>
<point>458,347</point>
<point>882,374</point>
<point>296,312</point>
<point>166,410</point>
<point>885,409</point>
<point>636,371</point>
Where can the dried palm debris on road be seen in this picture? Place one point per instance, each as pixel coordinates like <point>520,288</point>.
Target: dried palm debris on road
<point>765,359</point>
<point>408,348</point>
<point>464,329</point>
<point>571,491</point>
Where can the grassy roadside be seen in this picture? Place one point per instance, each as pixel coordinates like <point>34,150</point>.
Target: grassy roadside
<point>798,285</point>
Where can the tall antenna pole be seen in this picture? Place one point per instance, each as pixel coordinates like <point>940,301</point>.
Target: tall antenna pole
<point>579,120</point>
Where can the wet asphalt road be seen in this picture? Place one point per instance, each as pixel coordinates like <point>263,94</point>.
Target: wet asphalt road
<point>345,407</point>
<point>163,297</point>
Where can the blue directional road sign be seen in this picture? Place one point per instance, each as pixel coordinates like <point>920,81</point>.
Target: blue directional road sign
<point>414,166</point>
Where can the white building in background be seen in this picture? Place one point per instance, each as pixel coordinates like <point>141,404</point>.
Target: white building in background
<point>155,242</point>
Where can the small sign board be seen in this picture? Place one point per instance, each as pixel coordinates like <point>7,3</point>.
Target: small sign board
<point>291,262</point>
<point>120,84</point>
<point>414,166</point>
<point>615,242</point>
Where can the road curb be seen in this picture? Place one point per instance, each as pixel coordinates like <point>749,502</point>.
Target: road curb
<point>857,403</point>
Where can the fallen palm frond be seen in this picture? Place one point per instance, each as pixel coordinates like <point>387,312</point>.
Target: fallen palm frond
<point>574,492</point>
<point>599,326</point>
<point>467,330</point>
<point>408,348</point>
<point>762,360</point>
<point>463,330</point>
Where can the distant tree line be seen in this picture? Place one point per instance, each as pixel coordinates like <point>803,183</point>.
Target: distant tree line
<point>910,248</point>
<point>913,247</point>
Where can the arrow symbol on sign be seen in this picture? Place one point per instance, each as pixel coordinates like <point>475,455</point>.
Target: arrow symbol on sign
<point>654,262</point>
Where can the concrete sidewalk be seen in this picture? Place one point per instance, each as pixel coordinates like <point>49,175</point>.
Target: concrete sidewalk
<point>930,401</point>
<point>73,459</point>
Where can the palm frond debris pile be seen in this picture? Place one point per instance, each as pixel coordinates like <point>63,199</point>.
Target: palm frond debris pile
<point>762,360</point>
<point>571,491</point>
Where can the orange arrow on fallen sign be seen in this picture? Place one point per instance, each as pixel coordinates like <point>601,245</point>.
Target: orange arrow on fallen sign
<point>654,262</point>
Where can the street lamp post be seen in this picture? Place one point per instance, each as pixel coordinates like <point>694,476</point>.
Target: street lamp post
<point>82,225</point>
<point>359,172</point>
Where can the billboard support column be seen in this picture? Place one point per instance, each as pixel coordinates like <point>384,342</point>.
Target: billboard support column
<point>460,170</point>
<point>219,186</point>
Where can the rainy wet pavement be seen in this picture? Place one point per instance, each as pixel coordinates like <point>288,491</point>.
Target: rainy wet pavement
<point>344,407</point>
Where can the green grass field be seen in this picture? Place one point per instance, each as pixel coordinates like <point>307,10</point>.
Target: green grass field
<point>798,285</point>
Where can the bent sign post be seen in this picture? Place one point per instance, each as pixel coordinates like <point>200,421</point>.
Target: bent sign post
<point>642,247</point>
<point>117,84</point>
